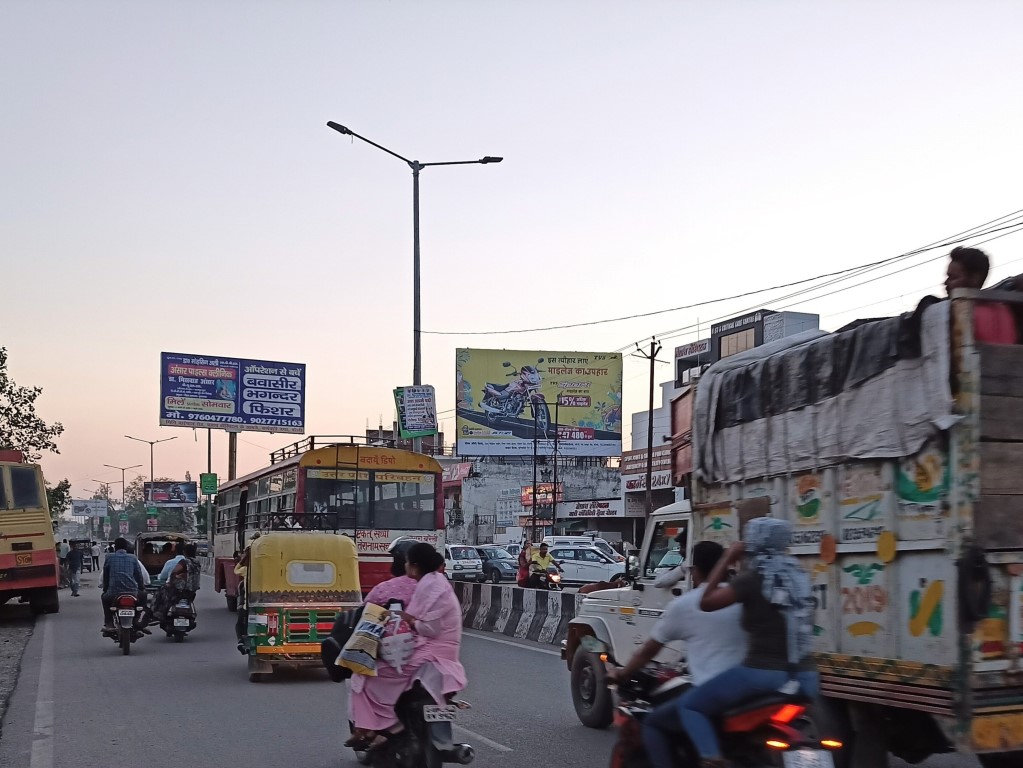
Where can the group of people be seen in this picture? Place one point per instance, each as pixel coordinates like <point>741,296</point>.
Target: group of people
<point>422,596</point>
<point>123,573</point>
<point>72,562</point>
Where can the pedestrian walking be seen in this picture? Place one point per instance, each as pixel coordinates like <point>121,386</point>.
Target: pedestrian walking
<point>95,556</point>
<point>75,560</point>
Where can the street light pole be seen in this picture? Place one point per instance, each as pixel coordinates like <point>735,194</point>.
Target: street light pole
<point>416,166</point>
<point>123,486</point>
<point>152,477</point>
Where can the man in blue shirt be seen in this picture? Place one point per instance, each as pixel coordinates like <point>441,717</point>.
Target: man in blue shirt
<point>75,559</point>
<point>122,574</point>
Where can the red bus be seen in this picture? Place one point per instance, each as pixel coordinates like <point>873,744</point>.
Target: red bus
<point>370,493</point>
<point>28,558</point>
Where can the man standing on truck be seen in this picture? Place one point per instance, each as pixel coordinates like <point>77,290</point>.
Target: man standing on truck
<point>993,321</point>
<point>715,642</point>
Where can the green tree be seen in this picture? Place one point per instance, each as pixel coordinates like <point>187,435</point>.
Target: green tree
<point>20,428</point>
<point>58,498</point>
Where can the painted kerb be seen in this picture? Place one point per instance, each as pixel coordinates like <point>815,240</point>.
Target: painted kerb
<point>525,614</point>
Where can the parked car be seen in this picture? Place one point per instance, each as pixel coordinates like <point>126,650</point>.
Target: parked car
<point>584,541</point>
<point>585,565</point>
<point>498,563</point>
<point>512,549</point>
<point>462,562</point>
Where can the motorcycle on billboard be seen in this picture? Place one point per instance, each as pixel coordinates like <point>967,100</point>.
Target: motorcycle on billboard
<point>508,401</point>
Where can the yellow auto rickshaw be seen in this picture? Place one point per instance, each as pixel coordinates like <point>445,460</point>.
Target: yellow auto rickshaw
<point>296,584</point>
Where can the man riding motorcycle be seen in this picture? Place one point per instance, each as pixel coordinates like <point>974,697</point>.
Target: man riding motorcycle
<point>715,642</point>
<point>122,574</point>
<point>539,564</point>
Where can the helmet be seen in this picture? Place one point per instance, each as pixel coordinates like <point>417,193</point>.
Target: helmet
<point>400,546</point>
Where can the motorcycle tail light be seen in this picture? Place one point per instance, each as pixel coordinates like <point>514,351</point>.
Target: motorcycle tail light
<point>126,601</point>
<point>777,744</point>
<point>831,743</point>
<point>747,721</point>
<point>787,713</point>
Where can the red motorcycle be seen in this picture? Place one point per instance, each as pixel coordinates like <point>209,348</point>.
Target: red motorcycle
<point>508,401</point>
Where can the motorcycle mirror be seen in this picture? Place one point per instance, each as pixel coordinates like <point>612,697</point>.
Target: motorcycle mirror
<point>506,364</point>
<point>540,360</point>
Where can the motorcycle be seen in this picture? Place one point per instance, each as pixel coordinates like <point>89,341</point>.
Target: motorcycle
<point>771,730</point>
<point>426,741</point>
<point>549,579</point>
<point>179,619</point>
<point>126,628</point>
<point>508,401</point>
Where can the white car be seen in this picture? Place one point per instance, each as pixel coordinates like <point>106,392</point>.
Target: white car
<point>585,565</point>
<point>462,562</point>
<point>583,541</point>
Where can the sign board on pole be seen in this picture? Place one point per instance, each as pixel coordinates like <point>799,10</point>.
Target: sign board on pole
<point>228,392</point>
<point>89,507</point>
<point>417,411</point>
<point>508,402</point>
<point>171,493</point>
<point>151,523</point>
<point>208,483</point>
<point>122,526</point>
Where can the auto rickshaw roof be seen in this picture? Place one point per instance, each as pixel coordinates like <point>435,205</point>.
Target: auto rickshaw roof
<point>280,562</point>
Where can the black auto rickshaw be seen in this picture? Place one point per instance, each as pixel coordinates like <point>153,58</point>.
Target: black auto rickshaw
<point>155,548</point>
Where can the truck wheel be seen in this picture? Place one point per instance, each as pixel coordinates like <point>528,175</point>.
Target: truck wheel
<point>590,695</point>
<point>1004,760</point>
<point>232,603</point>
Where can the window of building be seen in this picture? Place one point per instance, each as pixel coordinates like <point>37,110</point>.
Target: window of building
<point>734,343</point>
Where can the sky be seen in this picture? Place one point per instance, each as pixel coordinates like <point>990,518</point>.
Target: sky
<point>168,183</point>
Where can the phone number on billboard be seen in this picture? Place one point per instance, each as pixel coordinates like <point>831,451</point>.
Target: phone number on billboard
<point>239,420</point>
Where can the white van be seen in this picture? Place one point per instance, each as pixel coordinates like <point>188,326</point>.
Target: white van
<point>583,541</point>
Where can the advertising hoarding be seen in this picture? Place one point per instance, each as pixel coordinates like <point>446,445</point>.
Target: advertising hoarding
<point>544,494</point>
<point>509,400</point>
<point>232,393</point>
<point>171,493</point>
<point>89,507</point>
<point>417,411</point>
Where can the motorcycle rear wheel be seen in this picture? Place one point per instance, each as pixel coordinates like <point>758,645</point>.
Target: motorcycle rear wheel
<point>124,640</point>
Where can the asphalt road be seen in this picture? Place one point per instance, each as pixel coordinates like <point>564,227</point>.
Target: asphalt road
<point>79,702</point>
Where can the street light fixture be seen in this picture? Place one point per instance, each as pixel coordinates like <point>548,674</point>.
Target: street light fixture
<point>152,477</point>
<point>416,167</point>
<point>123,486</point>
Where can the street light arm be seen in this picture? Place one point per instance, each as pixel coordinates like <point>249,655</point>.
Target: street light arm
<point>348,132</point>
<point>482,161</point>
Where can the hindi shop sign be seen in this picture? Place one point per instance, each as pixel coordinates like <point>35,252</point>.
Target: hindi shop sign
<point>231,393</point>
<point>592,508</point>
<point>417,411</point>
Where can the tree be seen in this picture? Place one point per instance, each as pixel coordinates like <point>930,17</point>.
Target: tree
<point>20,428</point>
<point>58,498</point>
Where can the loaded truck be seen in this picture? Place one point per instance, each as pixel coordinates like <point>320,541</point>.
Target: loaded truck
<point>895,449</point>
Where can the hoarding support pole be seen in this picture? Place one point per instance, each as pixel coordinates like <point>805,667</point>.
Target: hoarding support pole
<point>209,470</point>
<point>232,455</point>
<point>557,415</point>
<point>532,491</point>
<point>655,347</point>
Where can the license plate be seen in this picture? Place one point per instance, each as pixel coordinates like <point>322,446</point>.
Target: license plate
<point>808,758</point>
<point>435,714</point>
<point>180,622</point>
<point>126,612</point>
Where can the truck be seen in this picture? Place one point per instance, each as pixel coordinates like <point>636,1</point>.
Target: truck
<point>895,449</point>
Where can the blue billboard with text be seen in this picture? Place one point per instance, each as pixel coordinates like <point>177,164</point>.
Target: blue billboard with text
<point>231,393</point>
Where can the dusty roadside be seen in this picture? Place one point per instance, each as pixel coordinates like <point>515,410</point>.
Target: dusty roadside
<point>16,624</point>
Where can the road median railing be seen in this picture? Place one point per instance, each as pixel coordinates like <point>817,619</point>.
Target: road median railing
<point>524,614</point>
<point>207,564</point>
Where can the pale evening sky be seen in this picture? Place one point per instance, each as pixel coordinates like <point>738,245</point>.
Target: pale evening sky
<point>169,183</point>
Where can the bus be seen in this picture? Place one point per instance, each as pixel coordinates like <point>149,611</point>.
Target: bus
<point>371,493</point>
<point>28,559</point>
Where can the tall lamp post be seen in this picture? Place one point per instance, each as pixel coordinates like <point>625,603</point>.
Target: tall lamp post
<point>152,477</point>
<point>416,167</point>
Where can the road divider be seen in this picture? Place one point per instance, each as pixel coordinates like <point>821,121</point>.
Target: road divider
<point>524,614</point>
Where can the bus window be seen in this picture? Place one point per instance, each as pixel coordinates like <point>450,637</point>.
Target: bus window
<point>404,501</point>
<point>24,488</point>
<point>336,503</point>
<point>3,493</point>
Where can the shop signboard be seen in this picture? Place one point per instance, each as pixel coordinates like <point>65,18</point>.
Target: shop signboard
<point>521,403</point>
<point>637,483</point>
<point>544,494</point>
<point>231,393</point>
<point>592,508</point>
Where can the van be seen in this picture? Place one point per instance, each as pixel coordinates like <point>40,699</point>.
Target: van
<point>462,562</point>
<point>584,541</point>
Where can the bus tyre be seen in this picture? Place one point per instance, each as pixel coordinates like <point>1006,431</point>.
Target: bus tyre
<point>590,694</point>
<point>1003,760</point>
<point>232,603</point>
<point>45,601</point>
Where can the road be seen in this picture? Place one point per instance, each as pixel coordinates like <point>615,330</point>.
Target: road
<point>78,701</point>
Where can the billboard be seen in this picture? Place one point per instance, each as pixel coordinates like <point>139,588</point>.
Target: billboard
<point>89,507</point>
<point>171,493</point>
<point>417,411</point>
<point>515,403</point>
<point>232,393</point>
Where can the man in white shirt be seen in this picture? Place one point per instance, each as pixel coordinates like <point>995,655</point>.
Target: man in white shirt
<point>715,641</point>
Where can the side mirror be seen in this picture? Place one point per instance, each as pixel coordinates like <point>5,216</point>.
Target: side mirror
<point>506,364</point>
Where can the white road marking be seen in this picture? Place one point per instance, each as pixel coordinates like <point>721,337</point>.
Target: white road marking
<point>483,739</point>
<point>485,636</point>
<point>42,729</point>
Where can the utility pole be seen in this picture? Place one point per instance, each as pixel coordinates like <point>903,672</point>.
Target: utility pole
<point>651,355</point>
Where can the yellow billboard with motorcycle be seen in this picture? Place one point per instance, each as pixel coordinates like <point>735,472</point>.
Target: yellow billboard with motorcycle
<point>515,403</point>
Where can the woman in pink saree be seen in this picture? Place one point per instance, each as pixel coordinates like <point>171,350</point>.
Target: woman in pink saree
<point>435,617</point>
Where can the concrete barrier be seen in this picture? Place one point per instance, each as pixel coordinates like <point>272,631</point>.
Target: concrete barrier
<point>525,614</point>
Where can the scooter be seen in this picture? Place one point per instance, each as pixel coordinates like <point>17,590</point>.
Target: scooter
<point>426,741</point>
<point>179,619</point>
<point>126,627</point>
<point>767,730</point>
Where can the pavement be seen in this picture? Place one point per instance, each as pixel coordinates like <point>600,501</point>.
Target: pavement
<point>79,702</point>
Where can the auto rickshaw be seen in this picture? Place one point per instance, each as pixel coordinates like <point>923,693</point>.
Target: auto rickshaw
<point>155,548</point>
<point>297,583</point>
